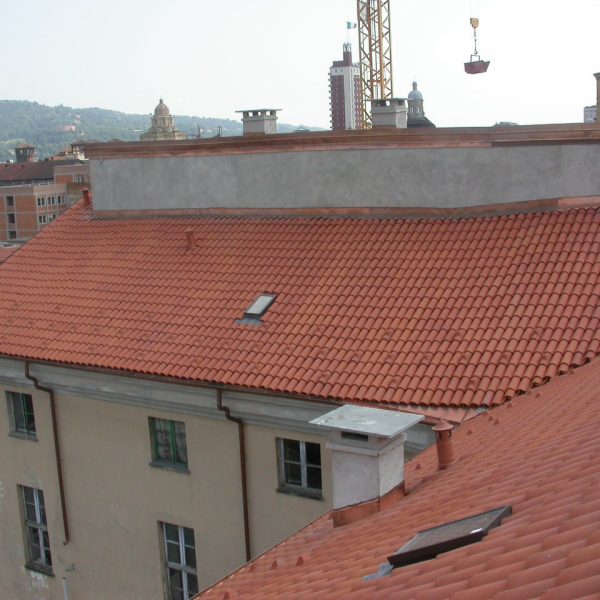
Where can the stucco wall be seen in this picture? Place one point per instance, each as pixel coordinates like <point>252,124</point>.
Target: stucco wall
<point>403,177</point>
<point>116,499</point>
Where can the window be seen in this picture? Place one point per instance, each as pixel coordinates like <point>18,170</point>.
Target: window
<point>41,219</point>
<point>168,443</point>
<point>10,201</point>
<point>59,199</point>
<point>79,179</point>
<point>260,306</point>
<point>12,235</point>
<point>429,543</point>
<point>180,562</point>
<point>11,218</point>
<point>37,541</point>
<point>299,467</point>
<point>257,309</point>
<point>41,201</point>
<point>20,410</point>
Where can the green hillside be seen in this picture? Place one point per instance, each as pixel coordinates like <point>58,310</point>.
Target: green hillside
<point>52,128</point>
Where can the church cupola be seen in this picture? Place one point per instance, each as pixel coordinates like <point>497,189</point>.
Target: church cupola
<point>163,125</point>
<point>415,103</point>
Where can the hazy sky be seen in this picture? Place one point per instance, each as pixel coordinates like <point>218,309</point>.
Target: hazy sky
<point>210,58</point>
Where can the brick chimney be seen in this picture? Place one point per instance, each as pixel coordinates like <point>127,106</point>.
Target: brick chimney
<point>367,447</point>
<point>259,121</point>
<point>390,113</point>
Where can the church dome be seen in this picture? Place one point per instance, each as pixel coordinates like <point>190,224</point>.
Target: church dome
<point>162,110</point>
<point>415,94</point>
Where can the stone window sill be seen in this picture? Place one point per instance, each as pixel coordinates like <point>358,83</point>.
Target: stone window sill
<point>39,569</point>
<point>158,464</point>
<point>23,436</point>
<point>303,493</point>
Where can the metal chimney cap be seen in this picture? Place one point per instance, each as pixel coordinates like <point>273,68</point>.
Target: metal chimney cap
<point>365,420</point>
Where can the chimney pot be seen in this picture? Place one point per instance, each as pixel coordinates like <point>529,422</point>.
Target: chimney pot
<point>445,444</point>
<point>87,199</point>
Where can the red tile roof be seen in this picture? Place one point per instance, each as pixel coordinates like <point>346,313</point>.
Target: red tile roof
<point>6,251</point>
<point>430,312</point>
<point>15,173</point>
<point>539,453</point>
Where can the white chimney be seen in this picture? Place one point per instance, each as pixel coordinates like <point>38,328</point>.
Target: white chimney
<point>367,447</point>
<point>390,112</point>
<point>259,120</point>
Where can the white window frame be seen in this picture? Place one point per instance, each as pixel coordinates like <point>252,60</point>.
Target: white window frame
<point>42,220</point>
<point>185,570</point>
<point>35,530</point>
<point>41,201</point>
<point>303,489</point>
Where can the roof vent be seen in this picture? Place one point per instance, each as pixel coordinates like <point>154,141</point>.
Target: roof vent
<point>191,240</point>
<point>367,447</point>
<point>444,443</point>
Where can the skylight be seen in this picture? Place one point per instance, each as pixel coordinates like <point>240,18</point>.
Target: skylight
<point>260,306</point>
<point>257,309</point>
<point>431,542</point>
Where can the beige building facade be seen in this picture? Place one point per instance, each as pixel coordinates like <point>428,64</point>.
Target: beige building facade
<point>117,496</point>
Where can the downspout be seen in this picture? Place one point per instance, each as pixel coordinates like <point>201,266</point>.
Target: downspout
<point>61,485</point>
<point>242,445</point>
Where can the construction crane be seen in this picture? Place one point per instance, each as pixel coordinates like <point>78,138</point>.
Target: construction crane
<point>375,52</point>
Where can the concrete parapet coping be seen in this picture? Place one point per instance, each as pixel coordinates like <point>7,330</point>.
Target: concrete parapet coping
<point>382,212</point>
<point>461,137</point>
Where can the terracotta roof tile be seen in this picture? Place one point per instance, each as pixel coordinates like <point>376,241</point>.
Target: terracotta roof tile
<point>544,463</point>
<point>434,312</point>
<point>6,251</point>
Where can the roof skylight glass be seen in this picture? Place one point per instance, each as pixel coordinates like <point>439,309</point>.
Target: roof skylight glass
<point>260,306</point>
<point>429,543</point>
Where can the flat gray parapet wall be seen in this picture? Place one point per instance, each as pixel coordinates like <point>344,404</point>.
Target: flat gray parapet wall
<point>427,177</point>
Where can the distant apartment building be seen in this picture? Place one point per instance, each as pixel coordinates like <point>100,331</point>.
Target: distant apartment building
<point>34,193</point>
<point>345,93</point>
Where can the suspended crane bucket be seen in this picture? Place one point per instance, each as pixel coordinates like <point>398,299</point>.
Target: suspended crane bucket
<point>473,67</point>
<point>476,65</point>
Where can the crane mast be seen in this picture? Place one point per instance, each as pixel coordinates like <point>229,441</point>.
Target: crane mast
<point>375,53</point>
